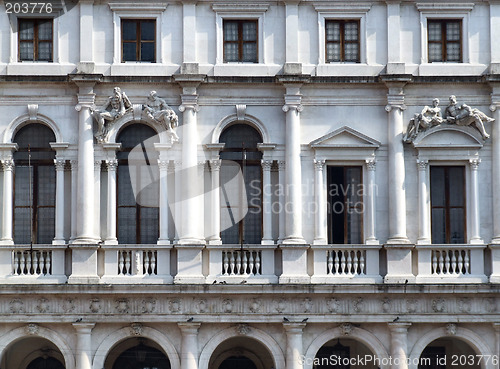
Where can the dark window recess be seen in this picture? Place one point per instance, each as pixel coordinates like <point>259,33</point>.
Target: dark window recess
<point>342,41</point>
<point>345,205</point>
<point>240,41</point>
<point>433,358</point>
<point>241,149</point>
<point>444,39</point>
<point>334,357</point>
<point>45,363</point>
<point>142,357</point>
<point>137,219</point>
<point>35,39</point>
<point>34,185</point>
<point>139,40</point>
<point>448,204</point>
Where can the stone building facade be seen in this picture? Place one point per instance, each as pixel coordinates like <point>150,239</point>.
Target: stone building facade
<point>313,205</point>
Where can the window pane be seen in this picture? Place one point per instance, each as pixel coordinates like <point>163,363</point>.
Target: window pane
<point>22,195</point>
<point>249,31</point>
<point>148,31</point>
<point>252,227</point>
<point>45,51</point>
<point>230,52</point>
<point>129,30</point>
<point>46,185</point>
<point>438,196</point>
<point>354,223</point>
<point>351,31</point>
<point>230,235</point>
<point>22,226</point>
<point>126,225</point>
<point>26,29</point>
<point>149,225</point>
<point>148,51</point>
<point>456,186</point>
<point>45,30</point>
<point>333,52</point>
<point>438,226</point>
<point>230,31</point>
<point>250,52</point>
<point>26,50</point>
<point>129,51</point>
<point>351,52</point>
<point>332,31</point>
<point>434,30</point>
<point>46,225</point>
<point>453,31</point>
<point>452,52</point>
<point>457,230</point>
<point>125,193</point>
<point>435,52</point>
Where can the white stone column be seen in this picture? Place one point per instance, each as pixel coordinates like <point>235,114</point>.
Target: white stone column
<point>281,199</point>
<point>74,181</point>
<point>320,236</point>
<point>424,224</point>
<point>191,232</point>
<point>293,170</point>
<point>475,236</point>
<point>60,216</point>
<point>163,166</point>
<point>85,184</point>
<point>111,166</point>
<point>396,164</point>
<point>214,238</point>
<point>189,345</point>
<point>370,208</point>
<point>97,198</point>
<point>83,352</point>
<point>267,213</point>
<point>8,200</point>
<point>399,345</point>
<point>294,345</point>
<point>177,195</point>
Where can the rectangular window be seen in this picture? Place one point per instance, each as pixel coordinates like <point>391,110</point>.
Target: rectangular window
<point>139,40</point>
<point>448,204</point>
<point>444,38</point>
<point>342,41</point>
<point>345,205</point>
<point>35,39</point>
<point>240,41</point>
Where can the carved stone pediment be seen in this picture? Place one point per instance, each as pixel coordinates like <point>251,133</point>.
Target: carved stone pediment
<point>447,136</point>
<point>345,137</point>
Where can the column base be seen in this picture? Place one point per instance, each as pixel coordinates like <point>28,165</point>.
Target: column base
<point>191,241</point>
<point>215,242</point>
<point>85,241</point>
<point>398,241</point>
<point>424,241</point>
<point>320,241</point>
<point>372,241</point>
<point>267,242</point>
<point>163,242</point>
<point>111,241</point>
<point>6,242</point>
<point>294,241</point>
<point>59,242</point>
<point>476,241</point>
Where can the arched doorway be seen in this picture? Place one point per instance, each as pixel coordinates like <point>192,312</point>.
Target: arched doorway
<point>32,353</point>
<point>137,353</point>
<point>342,353</point>
<point>241,353</point>
<point>449,352</point>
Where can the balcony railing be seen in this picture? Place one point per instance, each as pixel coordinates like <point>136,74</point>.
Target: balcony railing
<point>234,264</point>
<point>346,264</point>
<point>451,263</point>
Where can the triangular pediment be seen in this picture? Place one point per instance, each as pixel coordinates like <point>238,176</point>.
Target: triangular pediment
<point>345,137</point>
<point>449,137</point>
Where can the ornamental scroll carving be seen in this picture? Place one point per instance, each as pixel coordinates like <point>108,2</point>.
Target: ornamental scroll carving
<point>454,114</point>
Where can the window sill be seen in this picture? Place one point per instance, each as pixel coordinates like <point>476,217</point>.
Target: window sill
<point>247,69</point>
<point>451,69</point>
<point>39,68</point>
<point>143,69</point>
<point>348,69</point>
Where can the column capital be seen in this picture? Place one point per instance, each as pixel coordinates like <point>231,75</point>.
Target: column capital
<point>189,101</point>
<point>85,101</point>
<point>393,105</point>
<point>293,107</point>
<point>97,164</point>
<point>84,328</point>
<point>474,163</point>
<point>189,328</point>
<point>281,165</point>
<point>266,164</point>
<point>215,165</point>
<point>294,328</point>
<point>422,164</point>
<point>171,167</point>
<point>371,164</point>
<point>7,165</point>
<point>399,327</point>
<point>163,164</point>
<point>111,164</point>
<point>73,163</point>
<point>319,164</point>
<point>496,326</point>
<point>60,164</point>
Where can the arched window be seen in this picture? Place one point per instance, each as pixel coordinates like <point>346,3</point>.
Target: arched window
<point>136,215</point>
<point>45,363</point>
<point>241,147</point>
<point>34,185</point>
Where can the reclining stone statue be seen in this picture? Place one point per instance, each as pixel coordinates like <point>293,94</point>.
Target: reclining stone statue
<point>158,110</point>
<point>428,117</point>
<point>464,115</point>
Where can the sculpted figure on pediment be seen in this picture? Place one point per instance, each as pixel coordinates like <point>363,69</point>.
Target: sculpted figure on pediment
<point>430,116</point>
<point>116,107</point>
<point>464,115</point>
<point>158,110</point>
